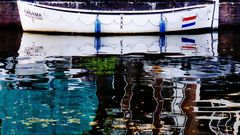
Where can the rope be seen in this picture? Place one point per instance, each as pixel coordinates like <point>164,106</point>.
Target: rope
<point>156,25</point>
<point>193,1</point>
<point>131,22</point>
<point>53,20</point>
<point>148,22</point>
<point>84,22</point>
<point>114,21</point>
<point>59,18</point>
<point>68,22</point>
<point>177,3</point>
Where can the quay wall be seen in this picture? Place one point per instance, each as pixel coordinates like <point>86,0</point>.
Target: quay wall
<point>229,13</point>
<point>9,14</point>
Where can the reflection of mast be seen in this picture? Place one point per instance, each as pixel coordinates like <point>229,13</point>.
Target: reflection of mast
<point>187,103</point>
<point>157,86</point>
<point>178,116</point>
<point>125,103</point>
<point>126,99</point>
<point>142,102</point>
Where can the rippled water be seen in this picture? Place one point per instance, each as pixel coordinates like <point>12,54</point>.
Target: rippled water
<point>145,84</point>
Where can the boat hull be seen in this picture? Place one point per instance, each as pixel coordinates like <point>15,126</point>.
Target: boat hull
<point>42,18</point>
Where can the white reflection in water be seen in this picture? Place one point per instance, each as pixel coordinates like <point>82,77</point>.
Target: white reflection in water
<point>40,46</point>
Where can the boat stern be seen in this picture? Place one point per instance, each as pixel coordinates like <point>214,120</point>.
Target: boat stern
<point>215,21</point>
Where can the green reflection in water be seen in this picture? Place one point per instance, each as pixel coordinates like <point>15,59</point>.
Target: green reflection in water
<point>100,65</point>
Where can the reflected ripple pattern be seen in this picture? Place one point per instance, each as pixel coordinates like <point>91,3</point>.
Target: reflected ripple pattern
<point>143,84</point>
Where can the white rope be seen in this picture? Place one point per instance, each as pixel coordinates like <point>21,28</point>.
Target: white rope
<point>68,22</point>
<point>52,20</point>
<point>147,22</point>
<point>201,18</point>
<point>157,25</point>
<point>61,18</point>
<point>114,21</point>
<point>139,25</point>
<point>86,23</point>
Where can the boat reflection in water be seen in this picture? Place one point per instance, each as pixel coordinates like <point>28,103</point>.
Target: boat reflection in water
<point>168,84</point>
<point>58,45</point>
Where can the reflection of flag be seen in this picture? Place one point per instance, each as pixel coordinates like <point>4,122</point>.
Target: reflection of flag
<point>189,21</point>
<point>188,40</point>
<point>188,44</point>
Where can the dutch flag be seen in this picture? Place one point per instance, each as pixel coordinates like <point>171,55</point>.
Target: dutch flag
<point>189,21</point>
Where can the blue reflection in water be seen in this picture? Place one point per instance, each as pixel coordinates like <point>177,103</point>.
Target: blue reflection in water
<point>49,102</point>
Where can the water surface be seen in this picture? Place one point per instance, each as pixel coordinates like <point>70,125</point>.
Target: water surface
<point>146,84</point>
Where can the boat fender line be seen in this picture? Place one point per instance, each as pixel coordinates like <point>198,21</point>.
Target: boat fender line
<point>162,25</point>
<point>97,26</point>
<point>97,43</point>
<point>162,42</point>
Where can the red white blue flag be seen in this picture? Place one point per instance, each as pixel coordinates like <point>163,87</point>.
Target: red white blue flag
<point>188,21</point>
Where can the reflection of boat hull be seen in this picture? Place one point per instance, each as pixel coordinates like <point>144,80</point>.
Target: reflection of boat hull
<point>37,17</point>
<point>38,45</point>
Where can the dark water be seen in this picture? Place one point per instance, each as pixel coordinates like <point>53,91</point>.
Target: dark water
<point>146,84</point>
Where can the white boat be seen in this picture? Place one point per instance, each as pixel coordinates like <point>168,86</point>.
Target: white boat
<point>44,18</point>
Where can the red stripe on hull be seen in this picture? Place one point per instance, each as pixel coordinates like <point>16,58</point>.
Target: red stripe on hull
<point>189,18</point>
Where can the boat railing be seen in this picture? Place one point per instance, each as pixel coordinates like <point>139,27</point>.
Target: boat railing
<point>114,5</point>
